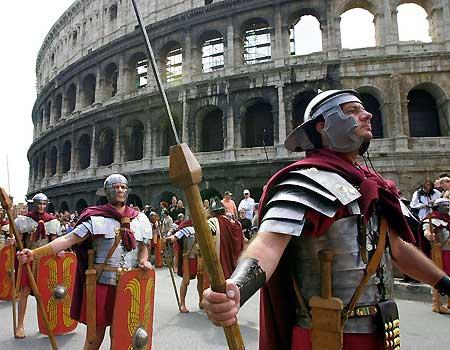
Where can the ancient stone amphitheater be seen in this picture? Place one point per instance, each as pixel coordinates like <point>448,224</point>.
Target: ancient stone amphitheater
<point>238,79</point>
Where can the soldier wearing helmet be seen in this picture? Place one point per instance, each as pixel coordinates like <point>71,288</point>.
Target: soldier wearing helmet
<point>96,229</point>
<point>328,203</point>
<point>36,228</point>
<point>436,229</point>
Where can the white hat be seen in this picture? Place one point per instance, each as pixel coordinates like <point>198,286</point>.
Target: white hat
<point>246,191</point>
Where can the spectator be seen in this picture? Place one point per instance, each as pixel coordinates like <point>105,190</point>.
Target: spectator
<point>228,203</point>
<point>423,199</point>
<point>247,204</point>
<point>445,184</point>
<point>172,208</point>
<point>246,224</point>
<point>166,223</point>
<point>147,210</point>
<point>180,208</point>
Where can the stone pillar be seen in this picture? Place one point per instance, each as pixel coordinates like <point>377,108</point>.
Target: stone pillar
<point>79,91</point>
<point>46,163</point>
<point>73,154</point>
<point>121,88</point>
<point>229,144</point>
<point>53,114</point>
<point>446,23</point>
<point>154,141</point>
<point>228,54</point>
<point>117,150</point>
<point>380,29</point>
<point>390,30</point>
<point>334,37</point>
<point>281,49</point>
<point>148,137</point>
<point>281,120</point>
<point>185,132</point>
<point>399,115</point>
<point>443,109</point>
<point>186,63</point>
<point>58,158</point>
<point>93,160</point>
<point>99,81</point>
<point>436,22</point>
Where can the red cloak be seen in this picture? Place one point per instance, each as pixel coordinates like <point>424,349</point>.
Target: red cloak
<point>277,313</point>
<point>231,244</point>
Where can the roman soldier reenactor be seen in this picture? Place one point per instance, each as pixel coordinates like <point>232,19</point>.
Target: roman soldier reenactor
<point>109,238</point>
<point>329,232</point>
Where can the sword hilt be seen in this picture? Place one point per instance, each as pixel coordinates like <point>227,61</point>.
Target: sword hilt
<point>325,258</point>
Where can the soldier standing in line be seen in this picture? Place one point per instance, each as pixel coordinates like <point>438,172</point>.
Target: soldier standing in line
<point>96,229</point>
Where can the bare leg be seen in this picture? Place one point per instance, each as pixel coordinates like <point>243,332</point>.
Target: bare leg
<point>95,345</point>
<point>22,307</point>
<point>200,288</point>
<point>184,284</point>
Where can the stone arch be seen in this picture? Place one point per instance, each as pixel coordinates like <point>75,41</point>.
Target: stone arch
<point>135,200</point>
<point>172,61</point>
<point>208,193</point>
<point>368,5</point>
<point>417,14</point>
<point>134,140</point>
<point>84,152</point>
<point>58,106</point>
<point>88,90</point>
<point>81,205</point>
<point>53,159</point>
<point>111,75</point>
<point>137,66</point>
<point>212,48</point>
<point>257,126</point>
<point>63,207</point>
<point>106,147</point>
<point>423,114</point>
<point>373,101</point>
<point>256,34</point>
<point>357,25</point>
<point>427,5</point>
<point>71,98</point>
<point>301,101</point>
<point>65,157</point>
<point>210,129</point>
<point>42,164</point>
<point>305,33</point>
<point>47,113</point>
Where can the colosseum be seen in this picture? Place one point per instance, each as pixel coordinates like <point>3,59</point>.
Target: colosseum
<point>238,81</point>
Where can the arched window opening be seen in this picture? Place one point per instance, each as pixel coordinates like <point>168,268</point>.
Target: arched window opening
<point>305,36</point>
<point>84,152</point>
<point>88,92</point>
<point>71,98</point>
<point>35,168</point>
<point>301,101</point>
<point>106,148</point>
<point>212,131</point>
<point>167,140</point>
<point>372,105</point>
<point>111,76</point>
<point>42,162</point>
<point>63,207</point>
<point>41,120</point>
<point>257,47</point>
<point>112,13</point>
<point>174,65</point>
<point>135,200</point>
<point>423,115</point>
<point>65,157</point>
<point>413,23</point>
<point>53,161</point>
<point>81,205</point>
<point>134,141</point>
<point>141,73</point>
<point>48,111</point>
<point>58,107</point>
<point>357,29</point>
<point>212,54</point>
<point>258,125</point>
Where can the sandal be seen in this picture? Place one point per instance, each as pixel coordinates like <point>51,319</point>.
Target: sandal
<point>19,333</point>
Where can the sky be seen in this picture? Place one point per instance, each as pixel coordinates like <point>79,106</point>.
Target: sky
<point>24,27</point>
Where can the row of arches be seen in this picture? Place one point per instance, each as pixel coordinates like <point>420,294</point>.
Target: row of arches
<point>207,54</point>
<point>257,124</point>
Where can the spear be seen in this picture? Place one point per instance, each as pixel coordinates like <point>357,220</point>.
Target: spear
<point>12,276</point>
<point>186,173</point>
<point>7,205</point>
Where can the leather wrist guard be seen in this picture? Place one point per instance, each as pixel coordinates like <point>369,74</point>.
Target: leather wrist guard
<point>43,251</point>
<point>249,277</point>
<point>443,286</point>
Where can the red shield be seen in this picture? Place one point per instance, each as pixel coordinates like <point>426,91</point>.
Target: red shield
<point>7,255</point>
<point>135,295</point>
<point>55,281</point>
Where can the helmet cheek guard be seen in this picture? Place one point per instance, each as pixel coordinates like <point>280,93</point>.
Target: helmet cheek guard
<point>110,191</point>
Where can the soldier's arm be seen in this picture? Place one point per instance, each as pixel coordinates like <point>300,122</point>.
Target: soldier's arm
<point>142,255</point>
<point>414,263</point>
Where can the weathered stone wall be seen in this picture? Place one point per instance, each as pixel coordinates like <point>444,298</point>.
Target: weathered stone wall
<point>388,72</point>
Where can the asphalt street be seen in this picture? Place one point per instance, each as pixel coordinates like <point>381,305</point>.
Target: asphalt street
<point>421,329</point>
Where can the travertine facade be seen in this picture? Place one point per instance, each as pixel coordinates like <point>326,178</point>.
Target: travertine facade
<point>98,110</point>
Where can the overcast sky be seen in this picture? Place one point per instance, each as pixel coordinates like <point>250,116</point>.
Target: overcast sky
<point>23,27</point>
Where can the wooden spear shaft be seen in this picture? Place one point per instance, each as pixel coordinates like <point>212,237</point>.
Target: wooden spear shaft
<point>7,205</point>
<point>186,173</point>
<point>12,276</point>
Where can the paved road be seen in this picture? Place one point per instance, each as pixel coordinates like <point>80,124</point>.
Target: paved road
<point>421,329</point>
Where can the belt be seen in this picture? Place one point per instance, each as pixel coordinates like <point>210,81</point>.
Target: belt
<point>363,311</point>
<point>107,268</point>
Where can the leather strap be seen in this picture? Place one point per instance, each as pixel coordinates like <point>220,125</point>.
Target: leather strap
<point>117,239</point>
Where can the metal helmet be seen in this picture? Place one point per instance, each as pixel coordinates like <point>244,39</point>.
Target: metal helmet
<point>110,192</point>
<point>442,205</point>
<point>338,133</point>
<point>38,198</point>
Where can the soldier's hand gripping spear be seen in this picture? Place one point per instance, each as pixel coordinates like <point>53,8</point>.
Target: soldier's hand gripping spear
<point>7,205</point>
<point>186,173</point>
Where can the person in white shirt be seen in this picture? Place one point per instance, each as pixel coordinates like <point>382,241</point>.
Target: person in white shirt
<point>424,198</point>
<point>247,204</point>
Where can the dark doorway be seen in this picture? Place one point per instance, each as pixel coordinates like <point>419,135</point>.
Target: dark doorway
<point>373,106</point>
<point>423,115</point>
<point>258,121</point>
<point>84,152</point>
<point>106,147</point>
<point>65,157</point>
<point>212,131</point>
